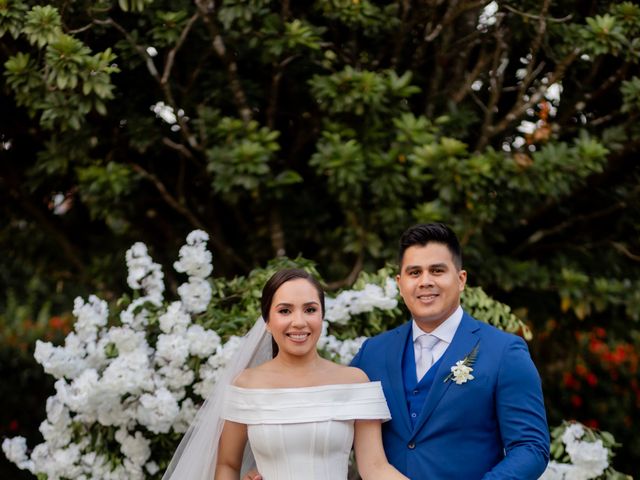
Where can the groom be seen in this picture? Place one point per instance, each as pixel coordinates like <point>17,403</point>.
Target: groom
<point>485,423</point>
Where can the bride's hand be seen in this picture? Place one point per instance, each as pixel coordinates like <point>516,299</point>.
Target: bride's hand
<point>252,475</point>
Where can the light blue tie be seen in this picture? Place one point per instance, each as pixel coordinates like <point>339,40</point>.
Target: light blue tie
<point>425,357</point>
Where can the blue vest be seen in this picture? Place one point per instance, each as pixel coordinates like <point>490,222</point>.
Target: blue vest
<point>415,392</point>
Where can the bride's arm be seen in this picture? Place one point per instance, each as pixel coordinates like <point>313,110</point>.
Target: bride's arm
<point>370,457</point>
<point>230,450</point>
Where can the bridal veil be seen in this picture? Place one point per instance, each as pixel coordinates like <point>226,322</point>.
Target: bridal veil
<point>195,457</point>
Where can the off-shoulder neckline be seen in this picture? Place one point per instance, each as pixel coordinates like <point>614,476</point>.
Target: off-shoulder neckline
<point>313,388</point>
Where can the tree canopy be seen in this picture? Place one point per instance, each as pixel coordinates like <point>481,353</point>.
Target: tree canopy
<point>324,129</point>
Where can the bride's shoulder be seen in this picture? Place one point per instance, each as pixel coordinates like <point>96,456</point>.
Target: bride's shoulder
<point>346,374</point>
<point>250,377</point>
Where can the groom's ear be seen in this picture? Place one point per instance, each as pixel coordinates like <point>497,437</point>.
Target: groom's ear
<point>462,279</point>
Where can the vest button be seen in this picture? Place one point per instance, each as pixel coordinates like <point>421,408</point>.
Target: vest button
<point>414,415</point>
<point>415,392</point>
<point>411,446</point>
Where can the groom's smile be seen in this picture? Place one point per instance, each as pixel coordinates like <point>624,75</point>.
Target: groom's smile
<point>427,298</point>
<point>430,284</point>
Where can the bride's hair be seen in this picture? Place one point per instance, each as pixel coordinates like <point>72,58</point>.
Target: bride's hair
<point>275,282</point>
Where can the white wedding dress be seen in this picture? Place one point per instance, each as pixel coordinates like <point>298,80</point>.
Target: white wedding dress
<point>304,432</point>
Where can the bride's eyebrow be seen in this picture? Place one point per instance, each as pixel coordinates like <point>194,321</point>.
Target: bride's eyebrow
<point>284,304</point>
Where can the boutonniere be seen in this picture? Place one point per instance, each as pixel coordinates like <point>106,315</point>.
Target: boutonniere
<point>461,371</point>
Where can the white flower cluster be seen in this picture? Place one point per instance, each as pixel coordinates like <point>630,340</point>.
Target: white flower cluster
<point>144,274</point>
<point>352,302</point>
<point>340,309</point>
<point>342,351</point>
<point>589,460</point>
<point>137,385</point>
<point>195,261</point>
<point>113,377</point>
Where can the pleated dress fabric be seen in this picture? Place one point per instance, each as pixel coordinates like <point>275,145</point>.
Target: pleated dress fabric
<point>304,432</point>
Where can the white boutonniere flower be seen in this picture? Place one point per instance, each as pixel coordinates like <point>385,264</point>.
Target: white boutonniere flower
<point>461,371</point>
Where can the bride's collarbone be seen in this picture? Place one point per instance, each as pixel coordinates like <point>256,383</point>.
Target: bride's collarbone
<point>302,378</point>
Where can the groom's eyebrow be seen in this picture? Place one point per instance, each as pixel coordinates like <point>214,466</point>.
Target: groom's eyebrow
<point>438,265</point>
<point>411,267</point>
<point>433,265</point>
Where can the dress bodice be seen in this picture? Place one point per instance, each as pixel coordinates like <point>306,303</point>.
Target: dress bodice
<point>304,432</point>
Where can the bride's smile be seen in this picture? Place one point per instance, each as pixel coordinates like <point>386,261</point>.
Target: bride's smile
<point>298,337</point>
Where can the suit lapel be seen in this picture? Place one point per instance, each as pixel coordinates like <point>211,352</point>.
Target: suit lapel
<point>398,405</point>
<point>463,342</point>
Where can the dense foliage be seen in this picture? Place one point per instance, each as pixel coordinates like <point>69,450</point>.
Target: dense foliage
<point>324,129</point>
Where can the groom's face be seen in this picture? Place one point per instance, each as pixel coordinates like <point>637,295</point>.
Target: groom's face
<point>430,284</point>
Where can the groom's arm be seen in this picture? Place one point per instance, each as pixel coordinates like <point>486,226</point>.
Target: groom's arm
<point>521,416</point>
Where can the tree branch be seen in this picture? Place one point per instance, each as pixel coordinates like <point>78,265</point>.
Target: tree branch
<point>531,73</point>
<point>208,15</point>
<point>405,26</point>
<point>536,17</point>
<point>277,233</point>
<point>496,79</point>
<point>537,236</point>
<point>522,105</point>
<point>69,251</point>
<point>351,278</point>
<point>172,53</point>
<point>622,248</point>
<point>180,208</point>
<point>164,85</point>
<point>274,94</point>
<point>178,147</point>
<point>471,77</point>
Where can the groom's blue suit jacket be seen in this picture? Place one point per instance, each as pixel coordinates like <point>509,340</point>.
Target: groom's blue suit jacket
<point>491,427</point>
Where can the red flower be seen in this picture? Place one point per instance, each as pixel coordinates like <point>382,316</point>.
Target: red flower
<point>600,332</point>
<point>619,355</point>
<point>592,423</point>
<point>592,380</point>
<point>597,346</point>
<point>576,401</point>
<point>13,425</point>
<point>581,370</point>
<point>56,323</point>
<point>571,382</point>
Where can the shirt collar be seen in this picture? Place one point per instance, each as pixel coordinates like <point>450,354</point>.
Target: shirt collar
<point>446,330</point>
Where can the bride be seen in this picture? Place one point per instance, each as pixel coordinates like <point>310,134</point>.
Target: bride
<point>301,414</point>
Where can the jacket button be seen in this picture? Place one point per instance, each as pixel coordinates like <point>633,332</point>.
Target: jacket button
<point>411,446</point>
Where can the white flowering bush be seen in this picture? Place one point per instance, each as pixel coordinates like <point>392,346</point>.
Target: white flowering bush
<point>130,376</point>
<point>581,453</point>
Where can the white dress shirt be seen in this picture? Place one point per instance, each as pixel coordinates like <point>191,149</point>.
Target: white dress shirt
<point>445,332</point>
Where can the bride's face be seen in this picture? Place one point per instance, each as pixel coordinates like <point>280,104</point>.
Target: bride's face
<point>295,317</point>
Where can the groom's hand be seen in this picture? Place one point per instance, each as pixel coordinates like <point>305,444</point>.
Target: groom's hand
<point>252,475</point>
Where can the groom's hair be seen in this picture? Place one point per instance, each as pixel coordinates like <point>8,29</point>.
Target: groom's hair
<point>425,233</point>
